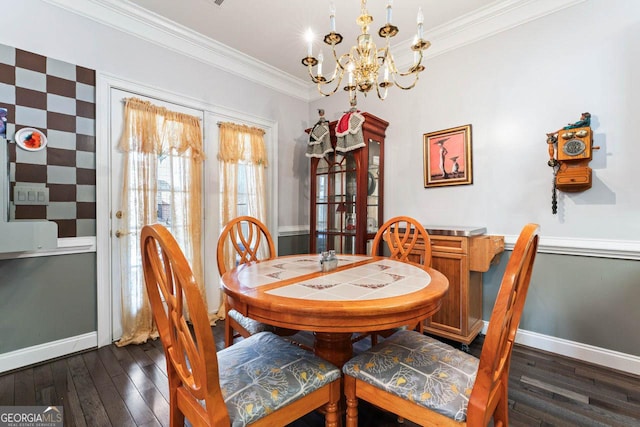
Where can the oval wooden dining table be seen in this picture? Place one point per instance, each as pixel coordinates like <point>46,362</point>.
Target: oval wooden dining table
<point>363,294</point>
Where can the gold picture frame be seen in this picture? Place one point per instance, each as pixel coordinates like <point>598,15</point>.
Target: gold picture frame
<point>447,157</point>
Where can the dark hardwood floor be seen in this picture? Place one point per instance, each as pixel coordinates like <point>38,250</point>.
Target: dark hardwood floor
<point>127,386</point>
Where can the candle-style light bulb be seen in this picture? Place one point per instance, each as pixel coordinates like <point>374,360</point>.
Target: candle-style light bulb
<point>389,6</point>
<point>350,70</point>
<point>309,37</point>
<point>332,17</point>
<point>386,72</point>
<point>420,20</point>
<point>320,59</point>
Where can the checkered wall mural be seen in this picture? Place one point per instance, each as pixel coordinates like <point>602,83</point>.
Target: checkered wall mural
<point>57,98</point>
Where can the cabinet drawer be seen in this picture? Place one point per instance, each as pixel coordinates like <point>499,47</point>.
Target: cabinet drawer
<point>458,245</point>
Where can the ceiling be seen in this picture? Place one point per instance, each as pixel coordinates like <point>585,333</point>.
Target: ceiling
<point>273,31</point>
<point>263,41</point>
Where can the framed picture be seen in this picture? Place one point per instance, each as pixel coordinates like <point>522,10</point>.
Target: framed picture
<point>447,157</point>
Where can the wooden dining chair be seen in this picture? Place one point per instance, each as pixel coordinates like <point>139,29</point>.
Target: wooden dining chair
<point>434,384</point>
<point>243,237</point>
<point>406,240</point>
<point>261,381</point>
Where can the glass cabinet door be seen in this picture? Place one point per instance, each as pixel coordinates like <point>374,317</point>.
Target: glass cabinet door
<point>335,203</point>
<point>373,199</point>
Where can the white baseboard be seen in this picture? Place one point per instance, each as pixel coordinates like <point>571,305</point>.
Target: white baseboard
<point>51,350</point>
<point>587,353</point>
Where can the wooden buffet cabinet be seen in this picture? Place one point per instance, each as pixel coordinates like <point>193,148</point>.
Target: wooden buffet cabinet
<point>462,254</point>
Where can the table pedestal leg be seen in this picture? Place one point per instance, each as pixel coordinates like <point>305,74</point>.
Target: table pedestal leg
<point>337,349</point>
<point>334,347</point>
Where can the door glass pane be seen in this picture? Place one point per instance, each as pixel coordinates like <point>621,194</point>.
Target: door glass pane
<point>373,181</point>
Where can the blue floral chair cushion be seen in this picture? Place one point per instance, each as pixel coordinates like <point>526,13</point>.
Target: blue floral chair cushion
<point>250,325</point>
<point>263,373</point>
<point>421,369</point>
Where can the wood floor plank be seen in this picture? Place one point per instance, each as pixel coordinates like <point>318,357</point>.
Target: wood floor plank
<point>136,404</point>
<point>159,379</point>
<point>571,383</point>
<point>7,384</point>
<point>139,355</point>
<point>153,423</point>
<point>114,406</point>
<point>65,389</point>
<point>92,407</point>
<point>157,355</point>
<point>550,411</point>
<point>24,389</point>
<point>571,412</point>
<point>571,395</point>
<point>110,362</point>
<point>132,369</point>
<point>158,404</point>
<point>96,369</point>
<point>612,378</point>
<point>44,386</point>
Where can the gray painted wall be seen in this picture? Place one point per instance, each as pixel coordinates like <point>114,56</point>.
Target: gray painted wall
<point>291,245</point>
<point>583,299</point>
<point>46,299</point>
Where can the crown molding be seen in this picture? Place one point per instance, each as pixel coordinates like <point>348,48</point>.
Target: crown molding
<point>132,19</point>
<point>136,21</point>
<point>492,19</point>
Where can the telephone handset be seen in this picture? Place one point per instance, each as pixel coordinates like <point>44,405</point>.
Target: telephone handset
<point>570,151</point>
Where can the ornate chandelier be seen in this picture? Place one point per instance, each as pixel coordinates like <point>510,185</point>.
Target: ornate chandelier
<point>366,65</point>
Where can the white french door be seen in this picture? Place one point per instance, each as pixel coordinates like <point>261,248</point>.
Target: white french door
<point>121,233</point>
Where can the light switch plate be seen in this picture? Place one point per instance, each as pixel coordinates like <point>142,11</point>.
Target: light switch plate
<point>28,195</point>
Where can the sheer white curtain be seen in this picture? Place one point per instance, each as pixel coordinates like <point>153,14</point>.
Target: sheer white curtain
<point>157,143</point>
<point>243,160</point>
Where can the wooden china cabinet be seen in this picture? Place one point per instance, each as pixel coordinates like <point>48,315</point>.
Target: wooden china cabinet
<point>347,190</point>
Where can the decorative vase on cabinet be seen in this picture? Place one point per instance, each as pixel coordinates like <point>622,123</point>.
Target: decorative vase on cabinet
<point>347,190</point>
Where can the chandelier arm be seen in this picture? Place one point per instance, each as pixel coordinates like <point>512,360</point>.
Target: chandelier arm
<point>335,89</point>
<point>313,78</point>
<point>415,81</point>
<point>386,89</point>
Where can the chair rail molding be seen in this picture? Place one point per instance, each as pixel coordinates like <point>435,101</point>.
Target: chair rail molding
<point>616,249</point>
<point>66,246</point>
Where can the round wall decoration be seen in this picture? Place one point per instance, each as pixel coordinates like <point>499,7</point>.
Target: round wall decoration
<point>31,139</point>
